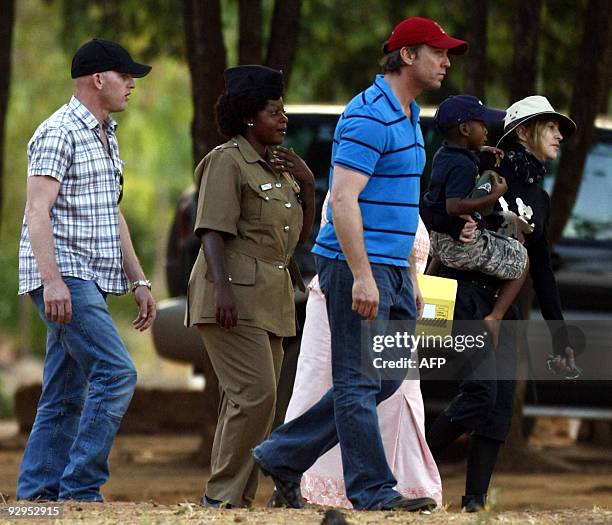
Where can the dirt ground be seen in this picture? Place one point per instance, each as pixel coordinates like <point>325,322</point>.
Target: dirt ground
<point>154,479</point>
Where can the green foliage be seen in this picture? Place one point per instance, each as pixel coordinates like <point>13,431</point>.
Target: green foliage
<point>341,43</point>
<point>154,138</point>
<point>149,28</point>
<point>562,33</point>
<point>6,403</point>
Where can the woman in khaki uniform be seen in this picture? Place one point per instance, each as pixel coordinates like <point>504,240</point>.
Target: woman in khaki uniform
<point>254,206</point>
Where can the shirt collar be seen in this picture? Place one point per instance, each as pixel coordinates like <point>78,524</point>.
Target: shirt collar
<point>246,150</point>
<point>87,117</point>
<point>384,87</point>
<point>459,149</point>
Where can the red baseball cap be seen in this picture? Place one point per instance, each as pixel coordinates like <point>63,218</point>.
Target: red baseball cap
<point>417,30</point>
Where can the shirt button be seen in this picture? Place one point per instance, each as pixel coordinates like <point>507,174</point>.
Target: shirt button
<point>286,228</point>
<point>267,198</point>
<point>280,266</point>
<point>278,185</point>
<point>287,205</point>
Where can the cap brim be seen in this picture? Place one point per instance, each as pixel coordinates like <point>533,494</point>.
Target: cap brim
<point>566,125</point>
<point>492,115</point>
<point>135,69</point>
<point>454,45</point>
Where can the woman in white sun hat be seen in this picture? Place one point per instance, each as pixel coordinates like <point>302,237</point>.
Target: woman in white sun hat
<point>533,132</point>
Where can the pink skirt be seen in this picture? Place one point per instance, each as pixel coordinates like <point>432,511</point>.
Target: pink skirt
<point>401,419</point>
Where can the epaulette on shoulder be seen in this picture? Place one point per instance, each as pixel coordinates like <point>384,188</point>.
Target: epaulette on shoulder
<point>225,146</point>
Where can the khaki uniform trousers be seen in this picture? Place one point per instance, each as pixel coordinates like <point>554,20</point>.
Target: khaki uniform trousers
<point>247,361</point>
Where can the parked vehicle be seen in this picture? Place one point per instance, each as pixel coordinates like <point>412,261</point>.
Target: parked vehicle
<point>583,258</point>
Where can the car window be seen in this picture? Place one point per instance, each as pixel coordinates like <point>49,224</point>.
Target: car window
<point>311,136</point>
<point>591,218</point>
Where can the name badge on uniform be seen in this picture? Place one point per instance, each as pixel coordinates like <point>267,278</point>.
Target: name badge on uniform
<point>266,187</point>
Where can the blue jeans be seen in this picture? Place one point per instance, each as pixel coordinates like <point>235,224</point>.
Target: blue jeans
<point>88,382</point>
<point>347,412</point>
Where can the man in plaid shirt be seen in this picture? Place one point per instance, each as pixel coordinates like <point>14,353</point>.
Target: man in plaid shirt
<point>75,249</point>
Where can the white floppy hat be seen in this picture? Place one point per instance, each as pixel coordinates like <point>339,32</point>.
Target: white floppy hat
<point>533,107</point>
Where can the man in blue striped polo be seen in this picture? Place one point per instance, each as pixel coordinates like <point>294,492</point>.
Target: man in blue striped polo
<point>362,253</point>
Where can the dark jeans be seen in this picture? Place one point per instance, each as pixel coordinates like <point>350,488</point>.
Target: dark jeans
<point>347,412</point>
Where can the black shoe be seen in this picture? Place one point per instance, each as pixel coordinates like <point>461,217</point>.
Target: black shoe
<point>334,517</point>
<point>286,493</point>
<point>210,503</point>
<point>473,503</point>
<point>410,505</point>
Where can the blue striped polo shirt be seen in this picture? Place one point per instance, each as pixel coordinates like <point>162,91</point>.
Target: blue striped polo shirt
<point>374,137</point>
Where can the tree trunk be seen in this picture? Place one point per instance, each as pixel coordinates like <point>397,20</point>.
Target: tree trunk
<point>589,82</point>
<point>250,45</point>
<point>207,61</point>
<point>475,75</point>
<point>7,21</point>
<point>604,100</point>
<point>396,12</point>
<point>526,45</point>
<point>283,41</point>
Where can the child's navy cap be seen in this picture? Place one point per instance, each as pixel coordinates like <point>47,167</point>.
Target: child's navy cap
<point>463,108</point>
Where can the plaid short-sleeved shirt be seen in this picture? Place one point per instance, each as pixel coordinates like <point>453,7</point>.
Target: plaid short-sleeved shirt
<point>85,216</point>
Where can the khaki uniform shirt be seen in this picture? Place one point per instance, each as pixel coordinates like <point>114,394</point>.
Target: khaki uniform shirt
<point>241,195</point>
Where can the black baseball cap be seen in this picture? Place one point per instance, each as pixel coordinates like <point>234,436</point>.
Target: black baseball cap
<point>99,55</point>
<point>463,108</point>
<point>254,78</point>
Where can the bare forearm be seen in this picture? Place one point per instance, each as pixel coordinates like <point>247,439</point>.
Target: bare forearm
<point>467,206</point>
<point>43,245</point>
<point>131,264</point>
<point>214,251</point>
<point>349,229</point>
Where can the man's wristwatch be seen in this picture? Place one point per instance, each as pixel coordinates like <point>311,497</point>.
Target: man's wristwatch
<point>141,282</point>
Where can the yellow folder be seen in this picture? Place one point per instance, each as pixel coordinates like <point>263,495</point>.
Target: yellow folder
<point>439,295</point>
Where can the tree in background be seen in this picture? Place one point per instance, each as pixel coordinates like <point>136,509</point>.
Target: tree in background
<point>475,71</point>
<point>527,17</point>
<point>152,28</point>
<point>7,21</point>
<point>591,81</point>
<point>207,59</point>
<point>206,54</point>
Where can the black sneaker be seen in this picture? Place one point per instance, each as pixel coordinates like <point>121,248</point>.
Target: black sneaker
<point>410,505</point>
<point>210,503</point>
<point>334,517</point>
<point>474,503</point>
<point>286,493</point>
